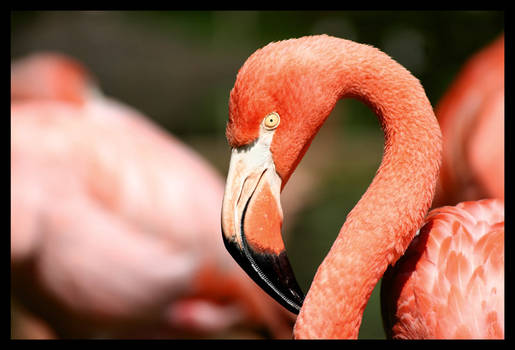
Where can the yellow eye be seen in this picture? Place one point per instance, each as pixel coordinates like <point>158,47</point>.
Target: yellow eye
<point>272,121</point>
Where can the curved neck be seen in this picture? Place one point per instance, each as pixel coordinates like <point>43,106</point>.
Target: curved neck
<point>379,228</point>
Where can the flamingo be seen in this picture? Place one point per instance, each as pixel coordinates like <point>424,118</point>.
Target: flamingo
<point>282,95</point>
<point>471,117</point>
<point>114,221</point>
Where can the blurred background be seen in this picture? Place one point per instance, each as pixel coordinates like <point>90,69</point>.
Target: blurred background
<point>177,67</point>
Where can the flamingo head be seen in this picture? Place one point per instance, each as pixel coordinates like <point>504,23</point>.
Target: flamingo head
<point>50,76</point>
<point>276,107</point>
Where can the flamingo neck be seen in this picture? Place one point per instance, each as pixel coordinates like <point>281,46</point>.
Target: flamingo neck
<point>381,225</point>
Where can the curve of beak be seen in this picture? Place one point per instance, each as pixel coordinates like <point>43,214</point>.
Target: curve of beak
<point>251,228</point>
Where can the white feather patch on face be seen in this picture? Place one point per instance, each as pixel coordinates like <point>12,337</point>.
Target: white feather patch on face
<point>249,165</point>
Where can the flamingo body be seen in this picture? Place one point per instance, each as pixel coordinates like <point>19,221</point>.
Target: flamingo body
<point>450,282</point>
<point>114,221</point>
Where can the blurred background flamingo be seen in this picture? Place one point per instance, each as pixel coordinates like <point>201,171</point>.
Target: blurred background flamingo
<point>114,223</point>
<point>178,67</point>
<point>471,116</point>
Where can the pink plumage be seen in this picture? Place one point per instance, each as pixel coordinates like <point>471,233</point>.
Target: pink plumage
<point>450,282</point>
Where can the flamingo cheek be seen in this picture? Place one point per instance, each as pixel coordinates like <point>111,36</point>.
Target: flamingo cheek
<point>263,221</point>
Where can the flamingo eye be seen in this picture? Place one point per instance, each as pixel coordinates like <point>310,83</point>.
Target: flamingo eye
<point>272,121</point>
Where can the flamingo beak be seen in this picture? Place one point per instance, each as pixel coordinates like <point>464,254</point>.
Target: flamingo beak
<point>252,220</point>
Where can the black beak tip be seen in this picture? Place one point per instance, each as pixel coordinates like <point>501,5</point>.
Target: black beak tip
<point>278,279</point>
<point>272,272</point>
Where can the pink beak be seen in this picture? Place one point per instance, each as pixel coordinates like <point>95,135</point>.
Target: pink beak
<point>251,224</point>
